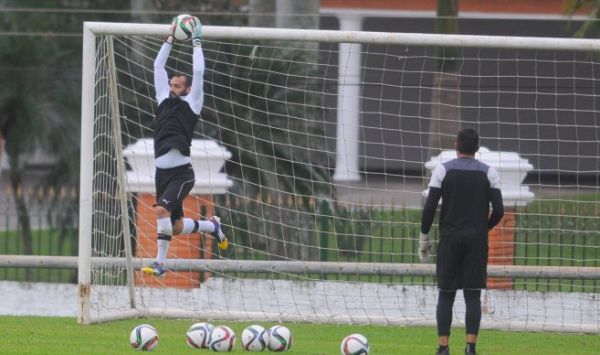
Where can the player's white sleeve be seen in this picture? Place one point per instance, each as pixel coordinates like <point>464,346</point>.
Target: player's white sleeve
<point>161,79</point>
<point>196,96</point>
<point>494,178</point>
<point>438,175</point>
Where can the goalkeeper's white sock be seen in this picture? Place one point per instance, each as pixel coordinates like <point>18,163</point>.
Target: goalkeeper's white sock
<point>163,249</point>
<point>193,226</point>
<point>165,233</point>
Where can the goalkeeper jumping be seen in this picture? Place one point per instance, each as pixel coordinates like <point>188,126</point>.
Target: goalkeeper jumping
<point>467,187</point>
<point>179,103</point>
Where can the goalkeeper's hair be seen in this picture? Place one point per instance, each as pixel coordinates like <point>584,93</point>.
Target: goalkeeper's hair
<point>467,141</point>
<point>188,79</point>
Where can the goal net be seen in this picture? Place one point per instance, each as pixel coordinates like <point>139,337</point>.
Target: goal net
<point>314,148</point>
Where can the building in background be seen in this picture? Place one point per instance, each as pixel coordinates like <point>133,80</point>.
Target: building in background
<point>534,18</point>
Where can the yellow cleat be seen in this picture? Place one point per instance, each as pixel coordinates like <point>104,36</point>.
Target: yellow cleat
<point>218,233</point>
<point>157,269</point>
<point>224,244</point>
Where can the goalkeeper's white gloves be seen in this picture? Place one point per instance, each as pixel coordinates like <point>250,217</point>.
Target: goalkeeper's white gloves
<point>197,33</point>
<point>426,248</point>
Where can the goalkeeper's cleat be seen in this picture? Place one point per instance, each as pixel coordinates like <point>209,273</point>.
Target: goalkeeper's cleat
<point>446,351</point>
<point>224,244</point>
<point>218,233</point>
<point>467,352</point>
<point>157,269</point>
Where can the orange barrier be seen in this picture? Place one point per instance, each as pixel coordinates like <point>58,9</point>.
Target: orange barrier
<point>190,246</point>
<point>502,249</point>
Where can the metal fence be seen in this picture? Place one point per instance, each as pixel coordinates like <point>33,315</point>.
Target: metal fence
<point>546,233</point>
<point>40,221</point>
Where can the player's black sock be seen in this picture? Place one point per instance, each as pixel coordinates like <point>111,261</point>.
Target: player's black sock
<point>470,348</point>
<point>444,312</point>
<point>442,348</point>
<point>473,310</point>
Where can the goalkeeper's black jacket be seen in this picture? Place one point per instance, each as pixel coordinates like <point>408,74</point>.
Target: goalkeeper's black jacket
<point>466,187</point>
<point>176,117</point>
<point>174,126</point>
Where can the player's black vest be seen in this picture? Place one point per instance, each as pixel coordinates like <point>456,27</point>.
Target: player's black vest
<point>174,126</point>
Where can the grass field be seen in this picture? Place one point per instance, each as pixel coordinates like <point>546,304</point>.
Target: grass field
<point>43,335</point>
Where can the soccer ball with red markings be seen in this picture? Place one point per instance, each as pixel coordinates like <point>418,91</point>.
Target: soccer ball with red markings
<point>280,338</point>
<point>221,339</point>
<point>182,27</point>
<point>355,344</point>
<point>144,337</point>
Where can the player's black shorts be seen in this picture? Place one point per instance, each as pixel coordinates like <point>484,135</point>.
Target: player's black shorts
<point>172,186</point>
<point>462,263</point>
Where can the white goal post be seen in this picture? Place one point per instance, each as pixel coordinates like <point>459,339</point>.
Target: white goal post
<point>307,245</point>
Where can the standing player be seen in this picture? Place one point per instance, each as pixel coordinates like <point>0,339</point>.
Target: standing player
<point>179,103</point>
<point>467,187</point>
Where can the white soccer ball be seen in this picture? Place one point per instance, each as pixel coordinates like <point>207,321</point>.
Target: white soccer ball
<point>280,338</point>
<point>182,27</point>
<point>355,344</point>
<point>222,338</point>
<point>144,337</point>
<point>197,335</point>
<point>255,338</point>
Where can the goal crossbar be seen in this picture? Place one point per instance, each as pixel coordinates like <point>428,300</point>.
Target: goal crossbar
<point>412,39</point>
<point>302,267</point>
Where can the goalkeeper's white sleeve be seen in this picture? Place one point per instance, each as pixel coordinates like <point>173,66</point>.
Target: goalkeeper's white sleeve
<point>161,78</point>
<point>196,96</point>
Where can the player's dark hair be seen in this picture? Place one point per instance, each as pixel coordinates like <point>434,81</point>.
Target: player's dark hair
<point>188,79</point>
<point>467,141</point>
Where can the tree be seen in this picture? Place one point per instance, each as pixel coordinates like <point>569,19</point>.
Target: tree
<point>39,97</point>
<point>445,100</point>
<point>27,108</point>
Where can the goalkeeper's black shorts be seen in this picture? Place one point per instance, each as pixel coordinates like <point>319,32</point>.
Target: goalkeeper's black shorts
<point>462,263</point>
<point>172,186</point>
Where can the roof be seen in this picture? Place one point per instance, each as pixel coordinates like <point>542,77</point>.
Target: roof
<point>533,7</point>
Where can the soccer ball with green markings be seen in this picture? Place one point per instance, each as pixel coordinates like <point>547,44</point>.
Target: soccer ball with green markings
<point>182,27</point>
<point>280,338</point>
<point>144,337</point>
